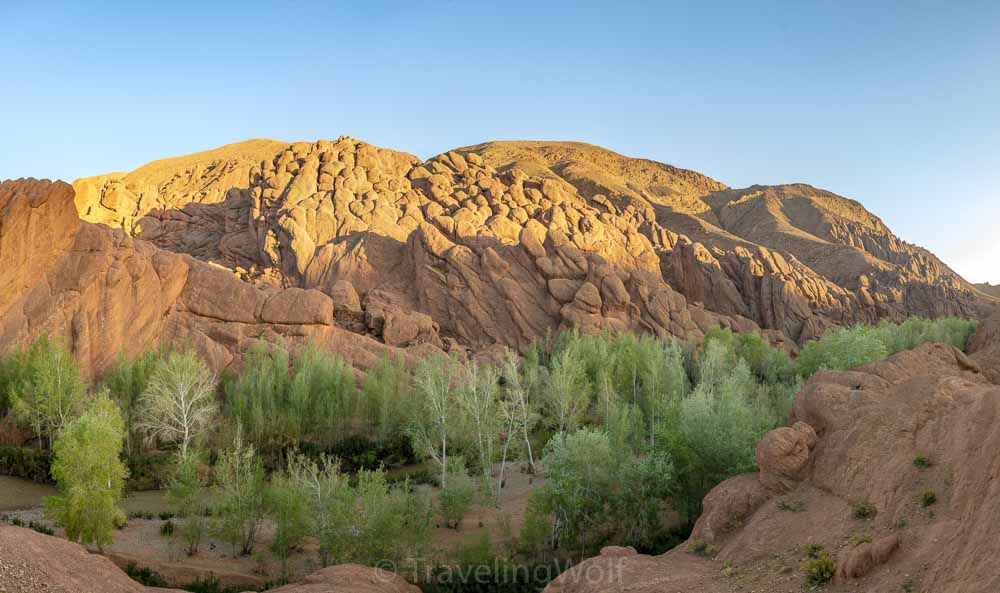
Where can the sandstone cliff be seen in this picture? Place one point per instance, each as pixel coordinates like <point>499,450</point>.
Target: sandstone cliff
<point>479,248</point>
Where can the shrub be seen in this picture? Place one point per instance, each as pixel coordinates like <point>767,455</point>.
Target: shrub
<point>928,498</point>
<point>185,495</point>
<point>145,576</point>
<point>288,507</point>
<point>239,476</point>
<point>29,464</point>
<point>863,510</point>
<point>456,497</point>
<point>819,566</point>
<point>167,528</point>
<point>921,462</point>
<point>702,548</point>
<point>89,473</point>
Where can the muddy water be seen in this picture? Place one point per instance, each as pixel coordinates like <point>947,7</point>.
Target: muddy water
<point>17,494</point>
<point>20,495</point>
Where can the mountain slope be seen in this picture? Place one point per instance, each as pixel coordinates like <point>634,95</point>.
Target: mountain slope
<point>492,245</point>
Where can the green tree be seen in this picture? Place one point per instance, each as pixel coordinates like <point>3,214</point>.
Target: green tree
<point>330,500</point>
<point>90,474</point>
<point>126,383</point>
<point>186,497</point>
<point>49,393</point>
<point>386,395</point>
<point>287,501</point>
<point>567,396</point>
<point>179,405</point>
<point>436,422</point>
<point>240,509</point>
<point>479,406</point>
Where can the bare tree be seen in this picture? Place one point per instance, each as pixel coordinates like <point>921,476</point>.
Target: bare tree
<point>179,403</point>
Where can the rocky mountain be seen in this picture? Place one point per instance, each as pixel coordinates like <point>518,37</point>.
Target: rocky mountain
<point>989,289</point>
<point>485,247</point>
<point>913,438</point>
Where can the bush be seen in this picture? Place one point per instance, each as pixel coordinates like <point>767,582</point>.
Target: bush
<point>819,566</point>
<point>863,510</point>
<point>921,462</point>
<point>456,498</point>
<point>928,498</point>
<point>239,509</point>
<point>185,495</point>
<point>702,548</point>
<point>29,464</point>
<point>167,528</point>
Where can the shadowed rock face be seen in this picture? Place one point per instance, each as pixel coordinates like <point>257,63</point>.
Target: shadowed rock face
<point>854,436</point>
<point>479,248</point>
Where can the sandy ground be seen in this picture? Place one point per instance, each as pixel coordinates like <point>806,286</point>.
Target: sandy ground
<point>141,542</point>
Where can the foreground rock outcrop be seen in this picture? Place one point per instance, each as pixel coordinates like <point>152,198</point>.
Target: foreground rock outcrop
<point>31,562</point>
<point>892,468</point>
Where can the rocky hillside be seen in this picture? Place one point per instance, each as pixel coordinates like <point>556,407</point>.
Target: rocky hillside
<point>989,289</point>
<point>489,246</point>
<point>890,468</point>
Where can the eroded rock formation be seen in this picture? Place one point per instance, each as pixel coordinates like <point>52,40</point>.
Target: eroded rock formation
<point>479,248</point>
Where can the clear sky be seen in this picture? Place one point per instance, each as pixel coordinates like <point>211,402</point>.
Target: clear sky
<point>896,105</point>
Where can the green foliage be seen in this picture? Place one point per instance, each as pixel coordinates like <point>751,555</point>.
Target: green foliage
<point>457,496</point>
<point>287,501</point>
<point>30,464</point>
<point>368,522</point>
<point>916,331</point>
<point>479,408</point>
<point>863,510</point>
<point>280,406</point>
<point>848,348</point>
<point>436,422</point>
<point>186,497</point>
<point>45,387</point>
<point>921,462</point>
<point>702,548</point>
<point>928,498</point>
<point>596,493</point>
<point>239,509</point>
<point>167,528</point>
<point>819,565</point>
<point>89,474</point>
<point>178,405</point>
<point>126,383</point>
<point>386,395</point>
<point>841,349</point>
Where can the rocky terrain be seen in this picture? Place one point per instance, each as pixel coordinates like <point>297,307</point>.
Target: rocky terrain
<point>912,440</point>
<point>989,289</point>
<point>361,249</point>
<point>31,562</point>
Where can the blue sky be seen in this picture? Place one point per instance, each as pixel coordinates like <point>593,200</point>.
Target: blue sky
<point>896,104</point>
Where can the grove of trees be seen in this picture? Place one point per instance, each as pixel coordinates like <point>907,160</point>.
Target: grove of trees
<point>627,431</point>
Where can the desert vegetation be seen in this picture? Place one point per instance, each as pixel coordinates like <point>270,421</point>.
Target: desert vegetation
<point>628,432</point>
